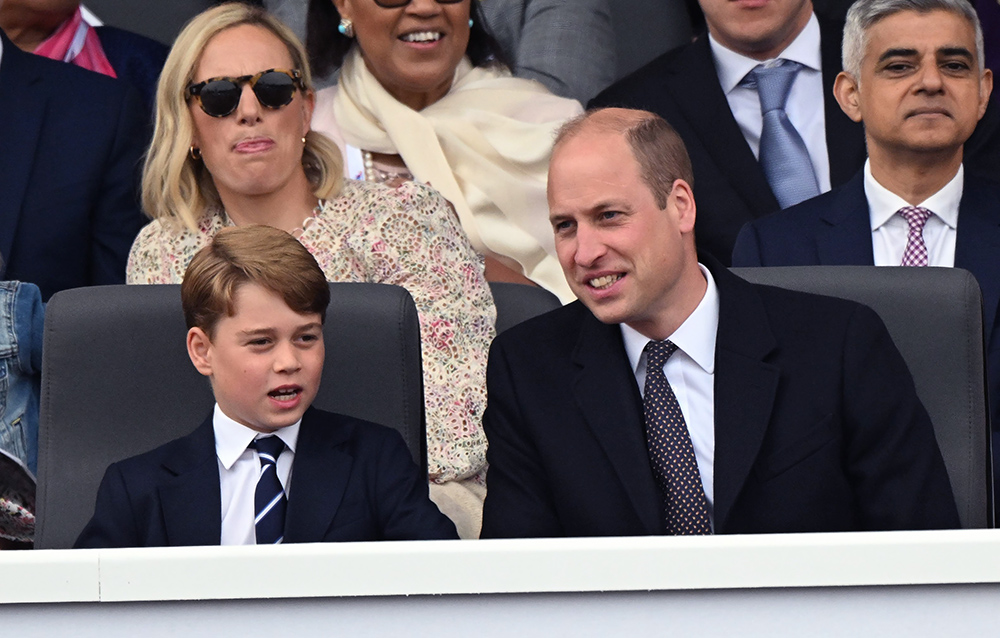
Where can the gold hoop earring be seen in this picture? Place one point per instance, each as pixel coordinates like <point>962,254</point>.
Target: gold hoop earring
<point>195,153</point>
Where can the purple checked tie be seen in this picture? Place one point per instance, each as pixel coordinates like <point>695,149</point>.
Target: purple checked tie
<point>269,499</point>
<point>670,450</point>
<point>915,253</point>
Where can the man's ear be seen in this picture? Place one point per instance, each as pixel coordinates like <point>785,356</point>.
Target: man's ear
<point>682,198</point>
<point>199,348</point>
<point>985,90</point>
<point>845,89</point>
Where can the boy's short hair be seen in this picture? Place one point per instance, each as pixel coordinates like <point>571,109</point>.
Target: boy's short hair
<point>262,255</point>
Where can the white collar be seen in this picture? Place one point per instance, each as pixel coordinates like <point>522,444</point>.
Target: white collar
<point>232,438</point>
<point>695,337</point>
<point>883,203</point>
<point>732,67</point>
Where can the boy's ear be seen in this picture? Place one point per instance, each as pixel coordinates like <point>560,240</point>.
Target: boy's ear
<point>199,349</point>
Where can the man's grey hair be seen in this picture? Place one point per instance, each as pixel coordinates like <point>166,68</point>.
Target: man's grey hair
<point>865,13</point>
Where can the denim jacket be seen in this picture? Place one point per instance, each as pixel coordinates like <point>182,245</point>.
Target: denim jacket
<point>21,323</point>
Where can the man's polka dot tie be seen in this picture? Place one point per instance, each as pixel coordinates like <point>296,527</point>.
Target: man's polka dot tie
<point>671,453</point>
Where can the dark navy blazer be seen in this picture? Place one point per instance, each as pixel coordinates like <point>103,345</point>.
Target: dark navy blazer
<point>817,425</point>
<point>351,481</point>
<point>71,143</point>
<point>834,229</point>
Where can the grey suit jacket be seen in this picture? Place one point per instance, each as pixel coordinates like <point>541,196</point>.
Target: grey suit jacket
<point>567,46</point>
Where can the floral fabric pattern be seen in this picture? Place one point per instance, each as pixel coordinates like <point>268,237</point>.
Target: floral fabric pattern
<point>407,236</point>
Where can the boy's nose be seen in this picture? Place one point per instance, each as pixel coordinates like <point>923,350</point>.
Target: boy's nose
<point>287,359</point>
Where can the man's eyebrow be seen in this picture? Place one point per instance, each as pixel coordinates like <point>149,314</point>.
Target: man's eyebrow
<point>897,53</point>
<point>955,51</point>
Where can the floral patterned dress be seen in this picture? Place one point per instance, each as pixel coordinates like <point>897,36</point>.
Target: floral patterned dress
<point>406,236</point>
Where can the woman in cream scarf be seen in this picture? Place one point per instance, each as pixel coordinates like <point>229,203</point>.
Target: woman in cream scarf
<point>422,95</point>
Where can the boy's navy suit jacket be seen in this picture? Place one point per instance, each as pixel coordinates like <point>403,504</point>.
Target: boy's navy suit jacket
<point>351,481</point>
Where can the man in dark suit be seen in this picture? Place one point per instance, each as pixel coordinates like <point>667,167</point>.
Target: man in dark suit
<point>775,411</point>
<point>916,79</point>
<point>69,163</point>
<point>702,89</point>
<point>265,467</point>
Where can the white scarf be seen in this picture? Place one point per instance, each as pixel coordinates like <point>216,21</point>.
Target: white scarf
<point>485,146</point>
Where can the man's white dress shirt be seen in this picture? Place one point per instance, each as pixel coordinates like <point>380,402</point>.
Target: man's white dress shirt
<point>890,231</point>
<point>805,106</point>
<point>691,374</point>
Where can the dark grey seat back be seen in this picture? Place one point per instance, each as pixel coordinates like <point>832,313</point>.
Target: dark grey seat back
<point>117,381</point>
<point>935,318</point>
<point>520,302</point>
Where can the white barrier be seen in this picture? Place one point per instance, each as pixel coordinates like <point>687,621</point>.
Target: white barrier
<point>890,583</point>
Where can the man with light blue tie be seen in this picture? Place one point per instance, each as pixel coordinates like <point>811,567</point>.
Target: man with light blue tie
<point>754,104</point>
<point>915,78</point>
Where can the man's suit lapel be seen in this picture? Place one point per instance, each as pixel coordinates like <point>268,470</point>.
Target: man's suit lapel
<point>22,111</point>
<point>606,392</point>
<point>745,388</point>
<point>319,479</point>
<point>845,140</point>
<point>191,502</point>
<point>977,243</point>
<point>845,233</point>
<point>695,87</point>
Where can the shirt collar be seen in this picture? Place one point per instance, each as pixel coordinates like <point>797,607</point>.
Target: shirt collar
<point>232,438</point>
<point>732,67</point>
<point>695,337</point>
<point>883,203</point>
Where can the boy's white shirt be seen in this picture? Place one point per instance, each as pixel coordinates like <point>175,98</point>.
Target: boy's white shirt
<point>239,468</point>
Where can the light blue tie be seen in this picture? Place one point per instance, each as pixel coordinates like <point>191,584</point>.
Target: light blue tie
<point>269,499</point>
<point>783,155</point>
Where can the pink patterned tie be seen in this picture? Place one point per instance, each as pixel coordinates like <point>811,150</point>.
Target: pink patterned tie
<point>915,253</point>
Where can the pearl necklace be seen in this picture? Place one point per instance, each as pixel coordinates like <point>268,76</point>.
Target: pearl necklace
<point>375,174</point>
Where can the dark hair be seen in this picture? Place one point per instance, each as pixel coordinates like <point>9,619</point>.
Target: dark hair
<point>261,255</point>
<point>327,47</point>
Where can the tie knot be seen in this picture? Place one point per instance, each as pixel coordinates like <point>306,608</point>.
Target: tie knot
<point>269,448</point>
<point>773,83</point>
<point>915,216</point>
<point>657,353</point>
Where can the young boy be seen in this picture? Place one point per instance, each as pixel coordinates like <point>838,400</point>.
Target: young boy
<point>264,467</point>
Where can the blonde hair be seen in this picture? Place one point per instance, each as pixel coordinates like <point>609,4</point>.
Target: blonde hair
<point>176,186</point>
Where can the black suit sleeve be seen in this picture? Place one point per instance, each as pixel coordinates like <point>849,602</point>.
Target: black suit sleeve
<point>891,455</point>
<point>404,506</point>
<point>518,501</point>
<point>747,249</point>
<point>113,523</point>
<point>116,217</point>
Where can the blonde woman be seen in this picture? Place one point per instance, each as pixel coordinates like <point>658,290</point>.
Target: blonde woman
<point>233,146</point>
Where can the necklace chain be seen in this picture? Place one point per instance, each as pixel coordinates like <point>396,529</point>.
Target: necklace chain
<point>308,221</point>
